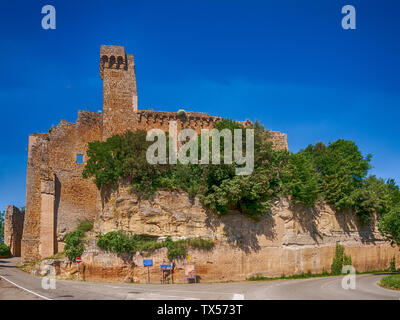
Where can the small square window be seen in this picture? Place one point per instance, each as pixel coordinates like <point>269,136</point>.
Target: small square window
<point>79,158</point>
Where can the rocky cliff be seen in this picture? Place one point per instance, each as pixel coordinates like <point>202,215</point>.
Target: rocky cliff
<point>290,239</point>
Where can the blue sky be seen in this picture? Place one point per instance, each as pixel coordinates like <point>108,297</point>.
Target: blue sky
<point>286,63</point>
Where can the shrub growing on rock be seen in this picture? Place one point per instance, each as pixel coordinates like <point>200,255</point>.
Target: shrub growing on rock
<point>4,250</point>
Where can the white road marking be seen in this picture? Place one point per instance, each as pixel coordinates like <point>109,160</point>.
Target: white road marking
<point>34,293</point>
<point>164,295</point>
<point>238,296</point>
<point>144,290</point>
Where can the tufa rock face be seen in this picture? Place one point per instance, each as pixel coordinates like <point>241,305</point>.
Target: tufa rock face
<point>175,214</point>
<point>13,228</point>
<point>289,240</point>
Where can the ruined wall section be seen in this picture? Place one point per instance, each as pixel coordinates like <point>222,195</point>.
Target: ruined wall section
<point>279,140</point>
<point>13,227</point>
<point>146,120</point>
<point>57,195</point>
<point>38,151</point>
<point>75,197</point>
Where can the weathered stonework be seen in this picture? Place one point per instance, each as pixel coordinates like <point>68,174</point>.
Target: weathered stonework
<point>289,240</point>
<point>56,194</point>
<point>13,227</point>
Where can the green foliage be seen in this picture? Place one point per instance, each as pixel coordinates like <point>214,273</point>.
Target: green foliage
<point>122,242</point>
<point>303,275</point>
<point>339,260</point>
<point>302,180</point>
<point>176,249</point>
<point>337,263</point>
<point>122,156</point>
<point>336,173</point>
<point>347,260</point>
<point>4,250</point>
<point>342,167</point>
<point>116,241</point>
<point>227,124</point>
<point>389,225</point>
<point>85,225</point>
<point>74,246</point>
<point>200,243</point>
<point>392,267</point>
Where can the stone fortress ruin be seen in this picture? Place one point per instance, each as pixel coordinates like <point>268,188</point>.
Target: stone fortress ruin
<point>56,193</point>
<point>291,239</point>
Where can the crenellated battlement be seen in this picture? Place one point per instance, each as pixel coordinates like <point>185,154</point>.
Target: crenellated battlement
<point>112,57</point>
<point>160,119</point>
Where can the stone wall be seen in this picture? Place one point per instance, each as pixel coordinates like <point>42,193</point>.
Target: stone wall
<point>13,227</point>
<point>279,140</point>
<point>57,196</point>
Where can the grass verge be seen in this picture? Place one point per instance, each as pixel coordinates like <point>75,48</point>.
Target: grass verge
<point>391,282</point>
<point>307,275</point>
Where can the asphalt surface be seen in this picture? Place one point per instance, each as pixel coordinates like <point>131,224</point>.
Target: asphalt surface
<point>16,284</point>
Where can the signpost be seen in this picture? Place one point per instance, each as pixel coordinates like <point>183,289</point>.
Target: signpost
<point>166,267</point>
<point>189,271</point>
<point>148,263</point>
<point>78,261</point>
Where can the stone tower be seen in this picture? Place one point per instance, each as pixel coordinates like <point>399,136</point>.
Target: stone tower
<point>120,102</point>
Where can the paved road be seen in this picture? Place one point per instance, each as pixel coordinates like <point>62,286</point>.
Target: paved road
<point>30,287</point>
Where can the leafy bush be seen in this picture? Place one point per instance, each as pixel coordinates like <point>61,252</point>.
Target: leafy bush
<point>392,267</point>
<point>122,242</point>
<point>339,260</point>
<point>347,260</point>
<point>176,249</point>
<point>85,225</point>
<point>74,246</point>
<point>4,250</point>
<point>199,243</point>
<point>115,241</point>
<point>389,225</point>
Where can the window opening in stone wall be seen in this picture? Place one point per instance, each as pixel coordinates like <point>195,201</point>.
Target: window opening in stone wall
<point>79,158</point>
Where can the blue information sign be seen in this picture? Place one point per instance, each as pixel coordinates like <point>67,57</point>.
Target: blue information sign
<point>147,262</point>
<point>166,266</point>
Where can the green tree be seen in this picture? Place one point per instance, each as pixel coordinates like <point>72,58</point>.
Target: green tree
<point>339,260</point>
<point>122,156</point>
<point>302,180</point>
<point>342,167</point>
<point>389,225</point>
<point>343,170</point>
<point>373,196</point>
